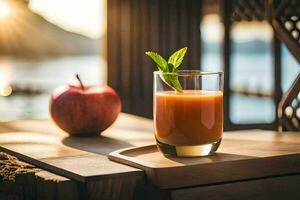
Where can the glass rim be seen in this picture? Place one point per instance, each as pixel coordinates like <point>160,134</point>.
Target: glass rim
<point>191,73</point>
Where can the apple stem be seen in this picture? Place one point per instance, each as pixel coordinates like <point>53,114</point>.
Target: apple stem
<point>80,82</point>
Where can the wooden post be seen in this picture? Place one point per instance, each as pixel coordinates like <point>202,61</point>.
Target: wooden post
<point>226,13</point>
<point>277,76</point>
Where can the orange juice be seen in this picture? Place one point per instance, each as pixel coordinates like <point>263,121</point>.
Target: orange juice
<point>194,117</point>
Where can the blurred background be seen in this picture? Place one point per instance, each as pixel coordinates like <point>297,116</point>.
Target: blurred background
<point>252,67</point>
<point>43,43</point>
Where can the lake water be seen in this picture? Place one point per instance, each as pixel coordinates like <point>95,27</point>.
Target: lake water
<point>43,75</point>
<point>248,70</point>
<point>253,71</point>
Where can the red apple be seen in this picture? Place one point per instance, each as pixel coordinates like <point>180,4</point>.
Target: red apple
<point>83,111</point>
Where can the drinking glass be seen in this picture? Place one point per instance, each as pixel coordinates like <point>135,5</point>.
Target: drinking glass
<point>188,123</point>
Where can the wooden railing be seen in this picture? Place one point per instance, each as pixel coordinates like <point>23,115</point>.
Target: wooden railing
<point>284,15</point>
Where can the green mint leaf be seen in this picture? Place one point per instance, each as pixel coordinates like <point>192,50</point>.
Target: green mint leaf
<point>176,84</point>
<point>171,66</point>
<point>177,57</point>
<point>172,80</point>
<point>158,59</point>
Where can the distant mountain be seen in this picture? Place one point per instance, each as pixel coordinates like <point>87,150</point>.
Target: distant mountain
<point>29,34</point>
<point>255,46</point>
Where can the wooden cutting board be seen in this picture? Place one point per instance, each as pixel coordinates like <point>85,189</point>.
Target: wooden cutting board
<point>256,159</point>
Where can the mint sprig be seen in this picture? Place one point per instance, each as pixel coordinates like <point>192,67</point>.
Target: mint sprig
<point>171,66</point>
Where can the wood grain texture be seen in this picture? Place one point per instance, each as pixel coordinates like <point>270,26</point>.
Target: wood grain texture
<point>45,145</point>
<point>263,159</point>
<point>80,159</point>
<point>84,159</point>
<point>52,186</point>
<point>277,188</point>
<point>39,185</point>
<point>114,188</point>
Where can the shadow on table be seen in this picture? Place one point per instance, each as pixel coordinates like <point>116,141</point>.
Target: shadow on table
<point>96,144</point>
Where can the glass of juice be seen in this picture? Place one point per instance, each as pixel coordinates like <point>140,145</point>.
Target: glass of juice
<point>188,123</point>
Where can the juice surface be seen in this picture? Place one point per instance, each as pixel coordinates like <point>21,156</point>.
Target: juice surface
<point>194,117</point>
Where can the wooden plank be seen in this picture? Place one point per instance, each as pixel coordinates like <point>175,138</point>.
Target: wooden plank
<point>149,157</point>
<point>285,187</point>
<point>262,159</point>
<point>39,184</point>
<point>45,185</point>
<point>36,145</point>
<point>61,154</point>
<point>35,186</point>
<point>114,188</point>
<point>52,186</point>
<point>84,159</point>
<point>80,153</point>
<point>81,168</point>
<point>88,167</point>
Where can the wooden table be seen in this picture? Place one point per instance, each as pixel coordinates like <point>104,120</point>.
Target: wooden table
<point>88,174</point>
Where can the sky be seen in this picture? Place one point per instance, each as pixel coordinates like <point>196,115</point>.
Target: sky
<point>81,16</point>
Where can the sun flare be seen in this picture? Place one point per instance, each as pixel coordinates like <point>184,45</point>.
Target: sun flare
<point>5,9</point>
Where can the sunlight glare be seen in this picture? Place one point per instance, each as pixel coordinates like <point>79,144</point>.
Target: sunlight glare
<point>5,9</point>
<point>212,28</point>
<point>249,31</point>
<point>83,17</point>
